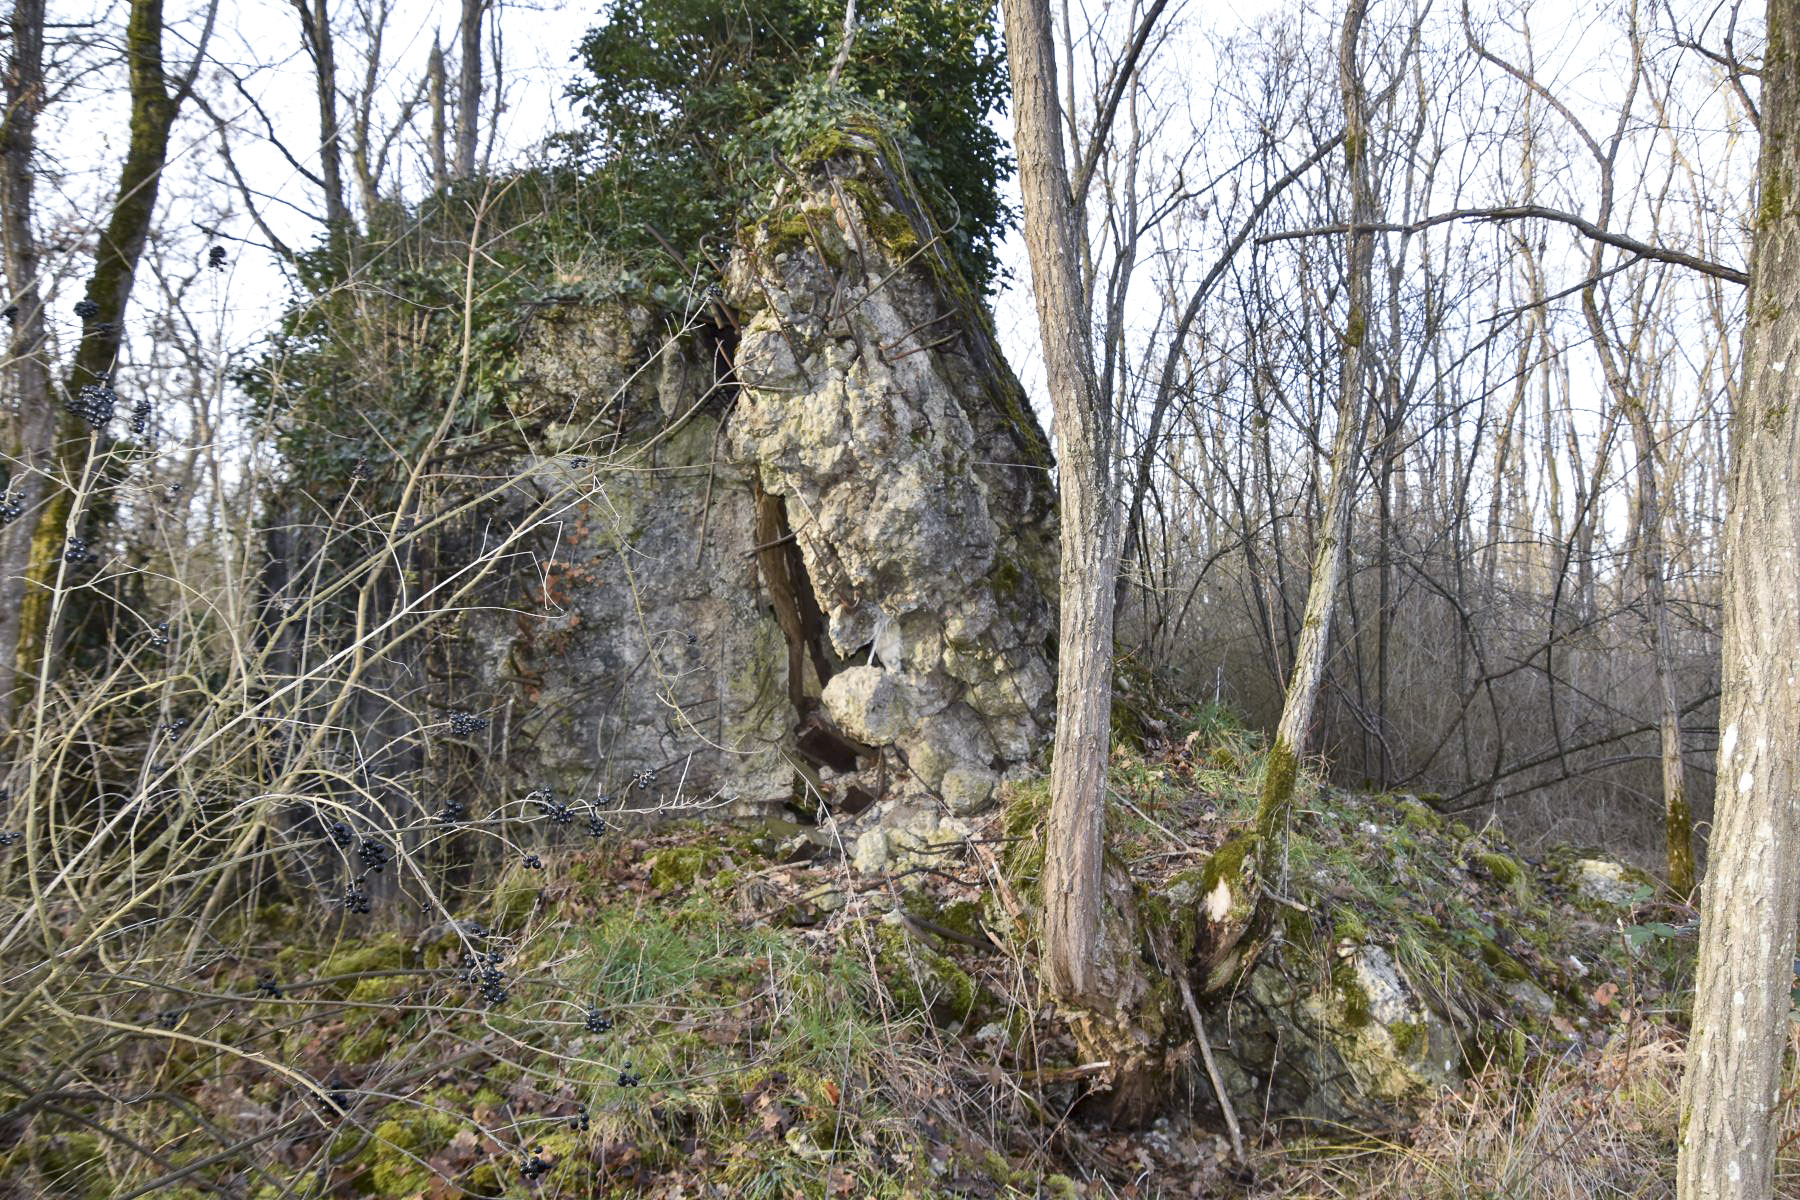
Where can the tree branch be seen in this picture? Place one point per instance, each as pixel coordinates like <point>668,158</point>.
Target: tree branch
<point>1527,212</point>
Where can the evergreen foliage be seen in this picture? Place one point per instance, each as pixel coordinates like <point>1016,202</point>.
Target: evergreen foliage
<point>692,104</point>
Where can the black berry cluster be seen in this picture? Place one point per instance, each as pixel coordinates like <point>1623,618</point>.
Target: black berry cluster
<point>597,1021</point>
<point>12,507</point>
<point>78,552</point>
<point>87,310</point>
<point>267,987</point>
<point>159,637</point>
<point>534,1164</point>
<point>174,728</point>
<point>644,779</point>
<point>95,403</point>
<point>628,1077</point>
<point>558,812</point>
<point>578,1120</point>
<point>452,812</point>
<point>10,838</point>
<point>341,834</point>
<point>595,826</point>
<point>465,724</point>
<point>140,417</point>
<point>486,975</point>
<point>215,258</point>
<point>355,899</point>
<point>581,462</point>
<point>168,1018</point>
<point>374,855</point>
<point>533,863</point>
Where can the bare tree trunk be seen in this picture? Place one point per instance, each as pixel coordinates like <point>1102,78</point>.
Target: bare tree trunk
<point>1332,547</point>
<point>121,244</point>
<point>468,88</point>
<point>315,28</point>
<point>1090,521</point>
<point>27,370</point>
<point>1751,903</point>
<point>440,170</point>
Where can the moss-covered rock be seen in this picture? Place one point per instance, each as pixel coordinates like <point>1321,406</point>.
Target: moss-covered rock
<point>677,868</point>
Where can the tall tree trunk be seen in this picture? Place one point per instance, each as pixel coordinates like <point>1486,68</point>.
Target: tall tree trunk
<point>121,244</point>
<point>440,170</point>
<point>1751,904</point>
<point>315,28</point>
<point>26,367</point>
<point>1332,548</point>
<point>1678,825</point>
<point>468,88</point>
<point>1089,514</point>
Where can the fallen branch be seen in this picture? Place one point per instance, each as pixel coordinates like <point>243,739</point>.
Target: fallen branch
<point>1212,1067</point>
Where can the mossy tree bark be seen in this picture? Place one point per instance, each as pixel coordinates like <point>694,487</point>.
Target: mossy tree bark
<point>1751,896</point>
<point>30,432</point>
<point>121,245</point>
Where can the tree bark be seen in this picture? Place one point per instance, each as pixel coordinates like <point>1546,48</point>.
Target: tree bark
<point>315,28</point>
<point>440,170</point>
<point>468,88</point>
<point>1751,902</point>
<point>27,369</point>
<point>121,244</point>
<point>1332,550</point>
<point>1074,847</point>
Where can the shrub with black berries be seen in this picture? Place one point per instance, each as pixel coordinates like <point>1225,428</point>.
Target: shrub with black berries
<point>595,826</point>
<point>355,899</point>
<point>452,812</point>
<point>628,1077</point>
<point>558,812</point>
<point>95,403</point>
<point>87,310</point>
<point>12,507</point>
<point>579,1121</point>
<point>533,863</point>
<point>597,1021</point>
<point>341,834</point>
<point>77,552</point>
<point>486,975</point>
<point>374,855</point>
<point>534,1164</point>
<point>159,637</point>
<point>465,724</point>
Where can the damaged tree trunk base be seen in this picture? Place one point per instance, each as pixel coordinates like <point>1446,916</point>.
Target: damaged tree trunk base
<point>1203,935</point>
<point>1353,956</point>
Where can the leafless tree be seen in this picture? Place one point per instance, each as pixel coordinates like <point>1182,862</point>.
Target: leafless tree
<point>1751,908</point>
